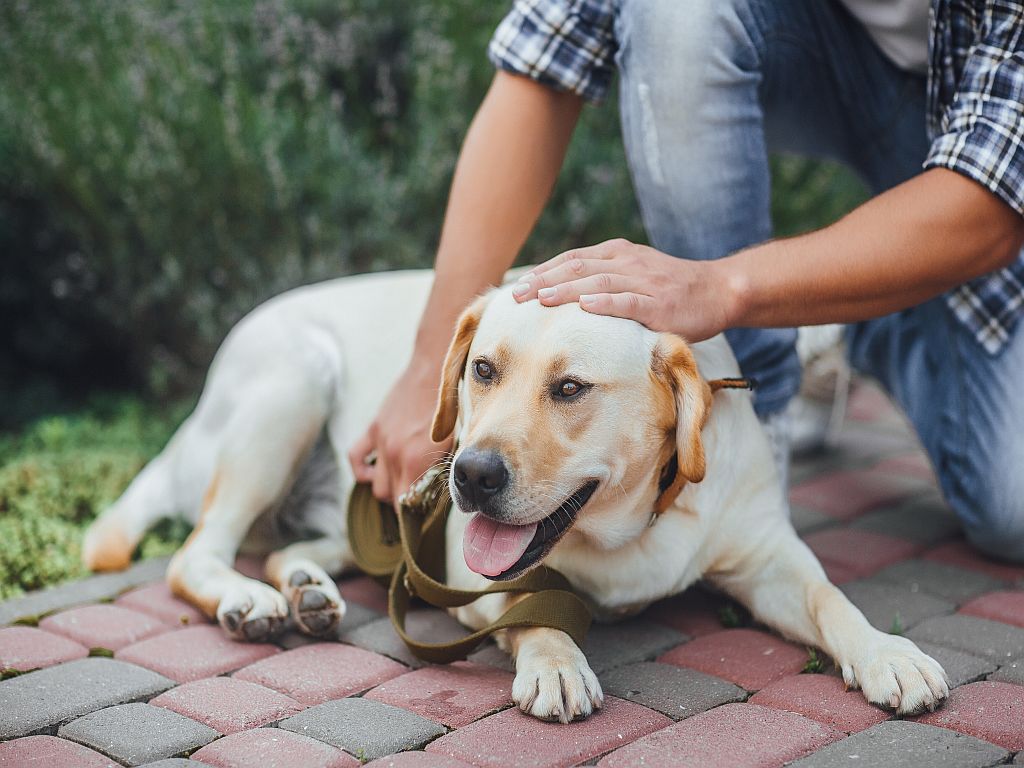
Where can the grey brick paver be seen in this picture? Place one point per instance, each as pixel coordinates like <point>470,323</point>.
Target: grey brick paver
<point>894,605</point>
<point>961,667</point>
<point>608,646</point>
<point>134,734</point>
<point>40,701</point>
<point>925,519</point>
<point>673,691</point>
<point>364,728</point>
<point>981,637</point>
<point>89,590</point>
<point>1010,672</point>
<point>957,585</point>
<point>380,637</point>
<point>806,520</point>
<point>902,744</point>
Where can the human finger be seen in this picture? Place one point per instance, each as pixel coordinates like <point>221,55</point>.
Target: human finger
<point>362,455</point>
<point>632,306</point>
<point>600,283</point>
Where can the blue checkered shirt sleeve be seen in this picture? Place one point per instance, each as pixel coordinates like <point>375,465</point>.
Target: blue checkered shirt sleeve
<point>568,45</point>
<point>976,119</point>
<point>981,132</point>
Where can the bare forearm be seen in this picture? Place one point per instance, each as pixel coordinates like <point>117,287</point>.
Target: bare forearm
<point>901,248</point>
<point>508,165</point>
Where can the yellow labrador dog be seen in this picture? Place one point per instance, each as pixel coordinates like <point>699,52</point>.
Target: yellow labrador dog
<point>588,442</point>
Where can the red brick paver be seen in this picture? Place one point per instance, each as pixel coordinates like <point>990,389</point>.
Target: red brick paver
<point>729,736</point>
<point>194,653</point>
<point>157,601</point>
<point>694,613</point>
<point>49,752</point>
<point>273,747</point>
<point>908,465</point>
<point>747,657</point>
<point>847,494</point>
<point>988,710</point>
<point>321,672</point>
<point>453,695</point>
<point>823,698</point>
<point>104,626</point>
<point>859,552</point>
<point>365,591</point>
<point>511,738</point>
<point>964,555</point>
<point>417,760</point>
<point>1007,607</point>
<point>228,705</point>
<point>25,648</point>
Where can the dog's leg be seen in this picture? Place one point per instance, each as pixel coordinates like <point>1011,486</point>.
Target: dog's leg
<point>269,434</point>
<point>785,586</point>
<point>301,571</point>
<point>553,679</point>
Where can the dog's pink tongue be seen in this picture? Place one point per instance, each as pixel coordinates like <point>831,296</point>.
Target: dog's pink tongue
<point>491,548</point>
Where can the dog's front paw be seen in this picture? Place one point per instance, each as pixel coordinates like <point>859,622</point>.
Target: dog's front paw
<point>252,611</point>
<point>556,684</point>
<point>894,673</point>
<point>316,604</point>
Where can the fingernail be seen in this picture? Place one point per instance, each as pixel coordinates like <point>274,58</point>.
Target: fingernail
<point>520,289</point>
<point>588,298</point>
<point>546,293</point>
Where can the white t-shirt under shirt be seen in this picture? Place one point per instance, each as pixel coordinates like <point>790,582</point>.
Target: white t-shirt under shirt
<point>898,27</point>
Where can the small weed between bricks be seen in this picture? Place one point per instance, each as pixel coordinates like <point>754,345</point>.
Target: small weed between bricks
<point>897,626</point>
<point>815,663</point>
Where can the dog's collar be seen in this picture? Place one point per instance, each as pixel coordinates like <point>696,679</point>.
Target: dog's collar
<point>670,479</point>
<point>670,484</point>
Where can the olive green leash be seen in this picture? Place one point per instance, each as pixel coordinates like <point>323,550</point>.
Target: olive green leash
<point>408,548</point>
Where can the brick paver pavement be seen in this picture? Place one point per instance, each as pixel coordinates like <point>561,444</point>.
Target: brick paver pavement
<point>691,681</point>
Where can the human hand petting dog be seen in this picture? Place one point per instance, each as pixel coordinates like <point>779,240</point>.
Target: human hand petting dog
<point>637,282</point>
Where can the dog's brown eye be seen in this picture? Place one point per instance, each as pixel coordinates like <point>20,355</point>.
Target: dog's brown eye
<point>483,370</point>
<point>568,389</point>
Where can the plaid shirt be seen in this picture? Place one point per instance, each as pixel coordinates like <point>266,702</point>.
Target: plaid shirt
<point>975,108</point>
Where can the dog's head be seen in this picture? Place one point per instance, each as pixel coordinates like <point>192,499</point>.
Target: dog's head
<point>569,425</point>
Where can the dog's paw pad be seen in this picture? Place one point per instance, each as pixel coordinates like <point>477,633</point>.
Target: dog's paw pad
<point>253,612</point>
<point>316,611</point>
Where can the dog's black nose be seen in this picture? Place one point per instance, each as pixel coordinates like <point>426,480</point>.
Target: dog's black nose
<point>479,475</point>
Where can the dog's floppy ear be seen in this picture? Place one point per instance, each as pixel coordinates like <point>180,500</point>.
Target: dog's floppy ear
<point>673,364</point>
<point>454,365</point>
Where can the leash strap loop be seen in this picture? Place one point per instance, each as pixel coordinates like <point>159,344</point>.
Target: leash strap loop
<point>415,566</point>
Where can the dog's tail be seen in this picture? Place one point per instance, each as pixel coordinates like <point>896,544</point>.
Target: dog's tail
<point>113,536</point>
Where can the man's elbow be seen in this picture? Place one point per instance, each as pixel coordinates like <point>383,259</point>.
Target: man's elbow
<point>1010,240</point>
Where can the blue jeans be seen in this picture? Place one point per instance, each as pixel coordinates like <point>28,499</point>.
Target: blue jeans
<point>708,88</point>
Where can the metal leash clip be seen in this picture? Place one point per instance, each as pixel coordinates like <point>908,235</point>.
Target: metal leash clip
<point>423,496</point>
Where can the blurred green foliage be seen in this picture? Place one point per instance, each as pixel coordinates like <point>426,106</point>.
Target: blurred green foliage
<point>165,165</point>
<point>58,473</point>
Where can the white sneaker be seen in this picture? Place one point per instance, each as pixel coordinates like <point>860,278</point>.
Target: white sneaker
<point>818,411</point>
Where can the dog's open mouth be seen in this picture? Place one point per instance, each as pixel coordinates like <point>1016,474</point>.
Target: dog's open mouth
<point>501,551</point>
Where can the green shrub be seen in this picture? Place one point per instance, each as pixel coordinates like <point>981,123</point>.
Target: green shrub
<point>59,473</point>
<point>167,164</point>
